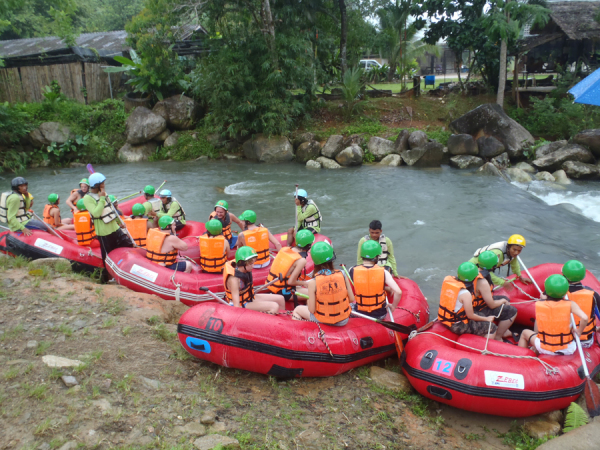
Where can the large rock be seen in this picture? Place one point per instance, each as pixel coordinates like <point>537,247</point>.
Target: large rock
<point>327,163</point>
<point>313,164</point>
<point>391,160</point>
<point>490,169</point>
<point>589,138</point>
<point>358,139</point>
<point>50,132</point>
<point>501,161</point>
<point>462,144</point>
<point>162,136</point>
<point>542,429</point>
<point>548,148</point>
<point>171,140</point>
<point>560,177</point>
<point>417,139</point>
<point>430,155</point>
<point>555,160</point>
<point>390,380</point>
<point>380,147</point>
<point>466,161</point>
<point>518,175</point>
<point>137,153</point>
<point>304,137</point>
<point>525,167</point>
<point>545,176</point>
<point>581,171</point>
<point>489,147</point>
<point>214,441</point>
<point>333,146</point>
<point>143,125</point>
<point>308,150</point>
<point>401,143</point>
<point>180,112</point>
<point>491,120</point>
<point>273,149</point>
<point>351,156</point>
<point>582,438</point>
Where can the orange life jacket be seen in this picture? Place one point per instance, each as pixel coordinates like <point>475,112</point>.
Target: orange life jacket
<point>246,293</point>
<point>451,287</point>
<point>84,228</point>
<point>212,253</point>
<point>258,239</point>
<point>138,228</point>
<point>226,222</point>
<point>369,287</point>
<point>585,299</point>
<point>282,264</point>
<point>154,243</point>
<point>48,217</point>
<point>553,320</point>
<point>332,303</point>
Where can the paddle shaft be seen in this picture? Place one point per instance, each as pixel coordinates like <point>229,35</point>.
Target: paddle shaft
<point>527,270</point>
<point>6,228</point>
<point>163,183</point>
<point>216,297</point>
<point>48,227</point>
<point>399,344</point>
<point>296,211</point>
<point>579,349</point>
<point>347,274</point>
<point>129,196</point>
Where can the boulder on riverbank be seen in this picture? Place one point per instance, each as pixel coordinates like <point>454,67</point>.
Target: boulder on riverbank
<point>333,146</point>
<point>136,153</point>
<point>350,156</point>
<point>417,139</point>
<point>489,147</point>
<point>391,160</point>
<point>430,155</point>
<point>180,112</point>
<point>401,143</point>
<point>380,147</point>
<point>462,144</point>
<point>49,132</point>
<point>466,162</point>
<point>328,163</point>
<point>518,175</point>
<point>143,125</point>
<point>273,149</point>
<point>590,139</point>
<point>581,171</point>
<point>571,152</point>
<point>549,147</point>
<point>308,150</point>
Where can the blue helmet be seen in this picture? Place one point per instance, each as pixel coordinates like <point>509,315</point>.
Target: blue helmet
<point>302,193</point>
<point>165,193</point>
<point>96,179</point>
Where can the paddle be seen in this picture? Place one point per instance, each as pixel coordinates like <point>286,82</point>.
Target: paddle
<point>399,344</point>
<point>48,227</point>
<point>296,211</point>
<point>129,196</point>
<point>592,395</point>
<point>347,274</point>
<point>163,183</point>
<point>530,277</point>
<point>216,297</point>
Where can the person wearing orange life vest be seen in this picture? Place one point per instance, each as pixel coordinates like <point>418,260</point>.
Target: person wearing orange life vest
<point>239,287</point>
<point>329,292</point>
<point>552,333</point>
<point>370,281</point>
<point>137,224</point>
<point>584,296</point>
<point>162,245</point>
<point>289,264</point>
<point>214,248</point>
<point>84,226</point>
<point>52,217</point>
<point>77,194</point>
<point>257,237</point>
<point>223,215</point>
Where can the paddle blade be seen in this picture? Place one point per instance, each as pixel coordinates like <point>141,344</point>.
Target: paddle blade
<point>399,344</point>
<point>90,169</point>
<point>398,327</point>
<point>592,398</point>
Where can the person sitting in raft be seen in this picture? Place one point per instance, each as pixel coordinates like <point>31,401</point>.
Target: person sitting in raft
<point>329,292</point>
<point>467,306</point>
<point>387,260</point>
<point>171,207</point>
<point>239,289</point>
<point>222,214</point>
<point>289,265</point>
<point>15,206</point>
<point>51,214</point>
<point>77,194</point>
<point>257,237</point>
<point>507,252</point>
<point>84,225</point>
<point>552,331</point>
<point>162,245</point>
<point>370,281</point>
<point>214,248</point>
<point>137,224</point>
<point>151,206</point>
<point>309,216</point>
<point>584,296</point>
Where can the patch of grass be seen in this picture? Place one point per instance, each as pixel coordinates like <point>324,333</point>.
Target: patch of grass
<point>190,145</point>
<point>113,306</point>
<point>37,391</point>
<point>517,438</point>
<point>62,267</point>
<point>12,373</point>
<point>474,437</point>
<point>43,427</point>
<point>12,333</point>
<point>154,320</point>
<point>19,262</point>
<point>55,374</point>
<point>180,353</point>
<point>162,333</point>
<point>109,323</point>
<point>125,384</point>
<point>64,329</point>
<point>126,330</point>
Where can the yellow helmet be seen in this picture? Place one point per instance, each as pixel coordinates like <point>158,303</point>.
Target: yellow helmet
<point>517,239</point>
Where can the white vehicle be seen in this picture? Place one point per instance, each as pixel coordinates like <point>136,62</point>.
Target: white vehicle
<point>369,64</point>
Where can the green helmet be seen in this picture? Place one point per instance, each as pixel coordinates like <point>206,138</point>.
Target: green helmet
<point>53,198</point>
<point>244,254</point>
<point>138,209</point>
<point>81,205</point>
<point>573,271</point>
<point>113,199</point>
<point>249,216</point>
<point>467,271</point>
<point>214,227</point>
<point>370,249</point>
<point>84,181</point>
<point>165,222</point>
<point>304,238</point>
<point>487,260</point>
<point>222,204</point>
<point>149,190</point>
<point>322,252</point>
<point>556,286</point>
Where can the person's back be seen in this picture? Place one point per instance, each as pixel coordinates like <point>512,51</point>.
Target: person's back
<point>258,237</point>
<point>585,297</point>
<point>84,226</point>
<point>214,248</point>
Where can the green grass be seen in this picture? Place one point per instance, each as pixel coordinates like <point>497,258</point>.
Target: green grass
<point>42,347</point>
<point>517,438</point>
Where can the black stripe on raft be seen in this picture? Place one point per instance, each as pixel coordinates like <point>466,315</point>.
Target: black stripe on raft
<point>280,352</point>
<point>490,392</point>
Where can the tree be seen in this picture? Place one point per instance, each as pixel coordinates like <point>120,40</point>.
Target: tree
<point>394,20</point>
<point>343,35</point>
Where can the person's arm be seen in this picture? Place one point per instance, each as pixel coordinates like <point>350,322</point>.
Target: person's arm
<point>234,288</point>
<point>226,249</point>
<point>310,210</point>
<point>296,271</point>
<point>497,280</point>
<point>70,201</point>
<point>391,257</point>
<point>178,244</point>
<point>483,288</point>
<point>391,283</point>
<point>237,221</point>
<point>56,214</point>
<point>359,260</point>
<point>312,295</point>
<point>516,268</point>
<point>274,241</point>
<point>241,240</point>
<point>13,202</point>
<point>173,209</point>
<point>95,209</point>
<point>467,302</point>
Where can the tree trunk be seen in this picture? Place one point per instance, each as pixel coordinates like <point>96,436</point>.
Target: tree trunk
<point>391,72</point>
<point>343,35</point>
<point>502,76</point>
<point>269,29</point>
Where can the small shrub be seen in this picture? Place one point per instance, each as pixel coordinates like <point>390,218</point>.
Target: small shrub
<point>352,86</point>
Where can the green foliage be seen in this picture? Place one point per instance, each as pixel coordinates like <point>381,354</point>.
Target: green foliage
<point>189,146</point>
<point>439,135</point>
<point>575,417</point>
<point>352,87</point>
<point>368,157</point>
<point>517,438</point>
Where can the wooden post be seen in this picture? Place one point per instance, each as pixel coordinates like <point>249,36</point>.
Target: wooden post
<point>516,80</point>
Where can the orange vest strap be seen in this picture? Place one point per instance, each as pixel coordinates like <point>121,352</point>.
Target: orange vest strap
<point>332,303</point>
<point>282,264</point>
<point>369,287</point>
<point>154,243</point>
<point>212,253</point>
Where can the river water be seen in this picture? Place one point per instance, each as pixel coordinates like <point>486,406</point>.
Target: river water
<point>436,218</point>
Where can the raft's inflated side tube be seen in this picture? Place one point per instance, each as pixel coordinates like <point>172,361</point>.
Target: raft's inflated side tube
<point>131,268</point>
<point>524,305</point>
<point>278,346</point>
<point>462,377</point>
<point>42,244</point>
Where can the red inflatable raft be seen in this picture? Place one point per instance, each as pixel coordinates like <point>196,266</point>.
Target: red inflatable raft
<point>281,347</point>
<point>132,269</point>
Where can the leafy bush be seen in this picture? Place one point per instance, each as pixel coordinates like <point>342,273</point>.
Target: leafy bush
<point>188,147</point>
<point>352,86</point>
<point>14,124</point>
<point>575,417</point>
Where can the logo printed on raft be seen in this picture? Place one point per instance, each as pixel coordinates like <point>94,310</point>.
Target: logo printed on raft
<point>144,273</point>
<point>504,379</point>
<point>41,243</point>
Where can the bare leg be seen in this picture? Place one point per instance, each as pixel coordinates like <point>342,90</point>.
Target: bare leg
<point>301,312</point>
<point>66,221</point>
<point>525,337</point>
<point>291,234</point>
<point>188,267</point>
<point>264,306</point>
<point>271,298</point>
<point>503,327</point>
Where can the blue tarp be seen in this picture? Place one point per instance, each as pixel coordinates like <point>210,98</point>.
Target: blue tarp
<point>588,90</point>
